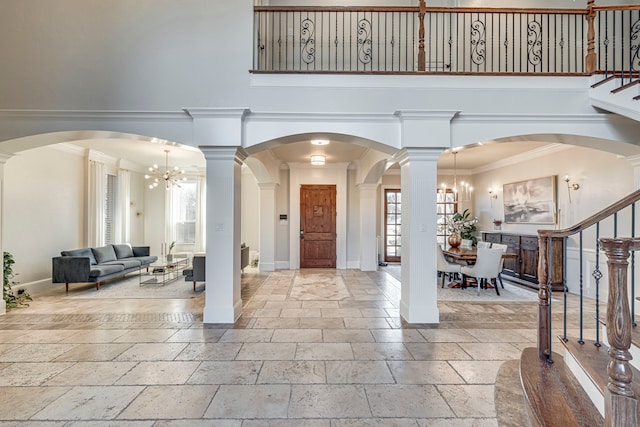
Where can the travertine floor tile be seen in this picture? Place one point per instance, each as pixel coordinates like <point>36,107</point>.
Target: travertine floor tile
<point>153,351</point>
<point>242,401</point>
<point>358,372</point>
<point>94,352</point>
<point>406,400</point>
<point>292,372</point>
<point>92,402</point>
<point>328,401</point>
<point>437,351</point>
<point>20,403</point>
<point>31,374</point>
<point>381,351</point>
<point>159,372</point>
<point>226,372</point>
<point>297,335</point>
<point>267,351</point>
<point>92,373</point>
<point>324,351</point>
<point>470,400</point>
<point>212,351</point>
<point>174,401</point>
<point>424,372</point>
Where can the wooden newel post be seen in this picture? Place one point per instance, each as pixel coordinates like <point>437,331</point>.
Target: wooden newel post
<point>621,407</point>
<point>544,326</point>
<point>422,59</point>
<point>591,60</point>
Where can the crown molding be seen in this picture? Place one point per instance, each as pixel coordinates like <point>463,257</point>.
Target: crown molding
<point>518,158</point>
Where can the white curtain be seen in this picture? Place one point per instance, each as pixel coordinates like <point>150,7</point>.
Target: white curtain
<point>122,208</point>
<point>201,209</point>
<point>95,212</point>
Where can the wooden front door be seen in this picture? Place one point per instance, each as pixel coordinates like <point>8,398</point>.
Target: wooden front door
<point>318,226</point>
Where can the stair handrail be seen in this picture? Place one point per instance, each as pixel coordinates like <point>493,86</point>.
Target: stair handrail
<point>620,403</point>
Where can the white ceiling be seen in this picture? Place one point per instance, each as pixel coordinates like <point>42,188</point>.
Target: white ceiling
<point>148,153</point>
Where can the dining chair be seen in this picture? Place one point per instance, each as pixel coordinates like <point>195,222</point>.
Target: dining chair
<point>483,244</point>
<point>504,250</point>
<point>466,243</point>
<point>485,270</point>
<point>445,267</point>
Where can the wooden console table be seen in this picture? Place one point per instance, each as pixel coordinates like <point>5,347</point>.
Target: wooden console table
<point>523,268</point>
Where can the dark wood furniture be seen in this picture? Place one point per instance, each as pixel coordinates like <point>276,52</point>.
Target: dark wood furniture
<point>523,268</point>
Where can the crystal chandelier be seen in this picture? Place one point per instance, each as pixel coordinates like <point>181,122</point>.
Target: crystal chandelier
<point>169,176</point>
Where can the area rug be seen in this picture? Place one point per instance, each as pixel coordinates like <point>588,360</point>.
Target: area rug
<point>510,293</point>
<point>130,288</point>
<point>325,285</point>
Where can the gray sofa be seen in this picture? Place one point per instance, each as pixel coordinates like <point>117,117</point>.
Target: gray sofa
<point>95,265</point>
<point>197,272</point>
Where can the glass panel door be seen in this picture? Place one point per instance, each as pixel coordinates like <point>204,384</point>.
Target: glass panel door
<point>392,225</point>
<point>447,205</point>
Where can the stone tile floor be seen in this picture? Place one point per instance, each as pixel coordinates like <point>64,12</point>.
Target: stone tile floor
<point>333,354</point>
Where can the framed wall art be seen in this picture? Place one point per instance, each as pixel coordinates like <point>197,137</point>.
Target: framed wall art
<point>531,201</point>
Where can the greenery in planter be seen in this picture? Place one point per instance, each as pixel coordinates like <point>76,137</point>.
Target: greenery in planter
<point>9,296</point>
<point>463,224</point>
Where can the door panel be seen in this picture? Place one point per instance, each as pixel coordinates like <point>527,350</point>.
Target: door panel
<point>392,218</point>
<point>318,226</point>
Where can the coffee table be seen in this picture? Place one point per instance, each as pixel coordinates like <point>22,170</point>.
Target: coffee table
<point>164,271</point>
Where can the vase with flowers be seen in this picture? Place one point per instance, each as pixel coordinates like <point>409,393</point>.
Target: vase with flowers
<point>462,226</point>
<point>497,224</point>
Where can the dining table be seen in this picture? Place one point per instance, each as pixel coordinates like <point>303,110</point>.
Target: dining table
<point>467,255</point>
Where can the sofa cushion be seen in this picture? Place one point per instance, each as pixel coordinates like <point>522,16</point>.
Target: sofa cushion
<point>123,251</point>
<point>85,252</point>
<point>103,270</point>
<point>145,260</point>
<point>126,263</point>
<point>104,254</point>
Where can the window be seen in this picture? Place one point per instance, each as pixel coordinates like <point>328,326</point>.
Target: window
<point>184,212</point>
<point>447,205</point>
<point>393,223</point>
<point>109,209</point>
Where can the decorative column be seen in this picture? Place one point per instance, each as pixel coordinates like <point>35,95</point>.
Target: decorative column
<point>591,60</point>
<point>419,293</point>
<point>223,303</point>
<point>3,161</point>
<point>368,241</point>
<point>267,226</point>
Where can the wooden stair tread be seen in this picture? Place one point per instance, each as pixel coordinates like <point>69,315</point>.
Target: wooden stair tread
<point>553,395</point>
<point>594,361</point>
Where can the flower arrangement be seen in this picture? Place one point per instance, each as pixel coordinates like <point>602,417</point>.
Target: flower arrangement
<point>497,222</point>
<point>464,225</point>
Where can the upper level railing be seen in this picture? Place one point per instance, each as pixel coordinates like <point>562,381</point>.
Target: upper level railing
<point>422,40</point>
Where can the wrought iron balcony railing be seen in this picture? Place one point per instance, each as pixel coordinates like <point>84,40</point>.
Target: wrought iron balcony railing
<point>399,40</point>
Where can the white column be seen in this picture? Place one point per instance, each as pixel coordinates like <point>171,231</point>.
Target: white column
<point>223,303</point>
<point>267,226</point>
<point>3,161</point>
<point>419,294</point>
<point>368,242</point>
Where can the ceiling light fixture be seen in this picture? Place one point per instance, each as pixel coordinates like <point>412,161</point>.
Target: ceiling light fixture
<point>320,141</point>
<point>169,176</point>
<point>317,160</point>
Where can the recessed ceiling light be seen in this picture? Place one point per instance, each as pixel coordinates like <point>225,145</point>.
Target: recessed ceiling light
<point>317,159</point>
<point>320,141</point>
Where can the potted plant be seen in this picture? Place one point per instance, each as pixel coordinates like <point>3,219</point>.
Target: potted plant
<point>11,299</point>
<point>497,224</point>
<point>171,246</point>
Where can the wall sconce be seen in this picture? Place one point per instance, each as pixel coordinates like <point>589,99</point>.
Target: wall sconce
<point>570,186</point>
<point>317,160</point>
<point>492,196</point>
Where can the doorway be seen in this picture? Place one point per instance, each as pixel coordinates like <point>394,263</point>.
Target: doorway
<point>392,225</point>
<point>318,226</point>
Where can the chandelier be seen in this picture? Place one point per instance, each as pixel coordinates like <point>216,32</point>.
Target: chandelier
<point>169,176</point>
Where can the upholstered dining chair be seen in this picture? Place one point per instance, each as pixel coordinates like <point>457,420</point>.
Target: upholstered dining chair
<point>485,270</point>
<point>445,267</point>
<point>483,244</point>
<point>504,250</point>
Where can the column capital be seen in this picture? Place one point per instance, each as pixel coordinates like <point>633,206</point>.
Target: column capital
<point>268,185</point>
<point>224,153</point>
<point>418,154</point>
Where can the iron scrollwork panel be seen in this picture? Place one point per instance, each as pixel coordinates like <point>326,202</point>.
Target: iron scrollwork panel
<point>364,41</point>
<point>308,49</point>
<point>534,43</point>
<point>635,46</point>
<point>478,42</point>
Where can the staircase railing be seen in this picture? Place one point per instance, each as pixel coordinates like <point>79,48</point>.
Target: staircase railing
<point>439,40</point>
<point>620,319</point>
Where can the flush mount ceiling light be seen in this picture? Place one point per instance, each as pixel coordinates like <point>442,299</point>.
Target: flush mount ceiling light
<point>169,176</point>
<point>320,141</point>
<point>317,160</point>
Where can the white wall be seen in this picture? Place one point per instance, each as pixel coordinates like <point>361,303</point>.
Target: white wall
<point>282,228</point>
<point>353,220</point>
<point>43,209</point>
<point>137,208</point>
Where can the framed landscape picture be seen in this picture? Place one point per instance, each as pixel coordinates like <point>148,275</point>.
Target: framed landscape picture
<point>532,201</point>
